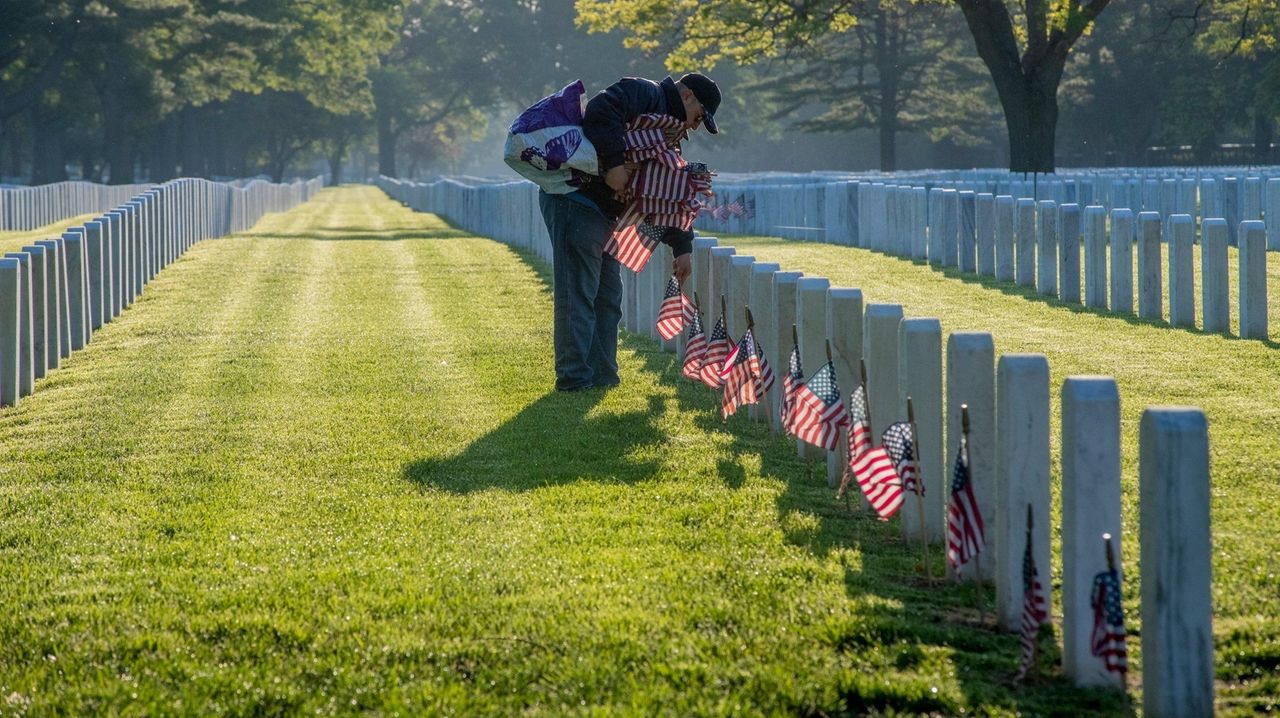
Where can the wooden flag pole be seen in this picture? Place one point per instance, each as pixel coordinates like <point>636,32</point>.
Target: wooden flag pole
<point>724,313</point>
<point>1111,566</point>
<point>915,466</point>
<point>977,558</point>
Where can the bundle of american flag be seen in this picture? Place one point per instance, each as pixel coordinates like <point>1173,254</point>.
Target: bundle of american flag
<point>1035,606</point>
<point>965,530</point>
<point>880,471</point>
<point>814,410</point>
<point>663,192</point>
<point>675,312</point>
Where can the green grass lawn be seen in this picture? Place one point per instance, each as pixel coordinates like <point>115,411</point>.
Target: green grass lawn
<point>318,468</point>
<point>15,241</point>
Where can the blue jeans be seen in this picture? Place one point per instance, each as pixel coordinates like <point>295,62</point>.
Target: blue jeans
<point>587,293</point>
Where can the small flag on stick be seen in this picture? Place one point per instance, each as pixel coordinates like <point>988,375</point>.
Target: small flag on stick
<point>740,373</point>
<point>674,310</point>
<point>1109,640</point>
<point>717,351</point>
<point>876,469</point>
<point>695,348</point>
<point>1034,605</point>
<point>765,381</point>
<point>791,382</point>
<point>818,411</point>
<point>965,531</point>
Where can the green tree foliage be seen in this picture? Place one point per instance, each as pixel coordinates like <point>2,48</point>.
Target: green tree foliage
<point>1023,44</point>
<point>903,68</point>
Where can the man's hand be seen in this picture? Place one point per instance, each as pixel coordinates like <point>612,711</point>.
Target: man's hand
<point>682,267</point>
<point>617,178</point>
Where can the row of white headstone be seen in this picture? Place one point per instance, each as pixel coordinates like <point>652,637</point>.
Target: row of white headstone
<point>25,208</point>
<point>54,293</point>
<point>1040,245</point>
<point>825,206</point>
<point>1009,407</point>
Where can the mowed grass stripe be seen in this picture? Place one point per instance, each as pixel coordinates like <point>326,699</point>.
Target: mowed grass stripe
<point>370,500</point>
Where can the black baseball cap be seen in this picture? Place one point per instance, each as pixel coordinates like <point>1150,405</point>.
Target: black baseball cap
<point>708,93</point>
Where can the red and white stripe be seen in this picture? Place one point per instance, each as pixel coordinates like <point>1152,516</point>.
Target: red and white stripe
<point>816,423</point>
<point>672,311</point>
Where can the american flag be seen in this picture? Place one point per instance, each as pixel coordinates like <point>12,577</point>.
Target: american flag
<point>1035,610</point>
<point>1108,640</point>
<point>673,311</point>
<point>818,412</point>
<point>695,348</point>
<point>660,193</point>
<point>765,380</point>
<point>717,351</point>
<point>791,381</point>
<point>740,373</point>
<point>875,468</point>
<point>965,537</point>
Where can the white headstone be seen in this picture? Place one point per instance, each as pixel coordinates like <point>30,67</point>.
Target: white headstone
<point>1022,476</point>
<point>1215,279</point>
<point>920,378</point>
<point>1253,280</point>
<point>1176,546</point>
<point>1182,298</point>
<point>971,381</point>
<point>1090,508</point>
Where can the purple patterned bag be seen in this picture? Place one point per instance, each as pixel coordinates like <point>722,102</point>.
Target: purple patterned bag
<point>545,144</point>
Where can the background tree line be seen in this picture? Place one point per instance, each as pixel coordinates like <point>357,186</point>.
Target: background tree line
<point>120,90</point>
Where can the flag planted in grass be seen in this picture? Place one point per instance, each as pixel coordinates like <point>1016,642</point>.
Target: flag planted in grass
<point>965,530</point>
<point>695,348</point>
<point>875,468</point>
<point>674,312</point>
<point>765,379</point>
<point>740,373</point>
<point>818,412</point>
<point>1109,640</point>
<point>717,351</point>
<point>1035,611</point>
<point>791,382</point>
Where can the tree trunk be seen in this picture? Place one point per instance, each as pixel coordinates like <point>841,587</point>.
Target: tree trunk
<point>386,146</point>
<point>336,157</point>
<point>1031,116</point>
<point>48,159</point>
<point>1027,83</point>
<point>887,68</point>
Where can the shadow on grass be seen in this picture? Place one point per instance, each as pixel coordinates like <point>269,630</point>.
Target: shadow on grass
<point>913,613</point>
<point>554,440</point>
<point>910,618</point>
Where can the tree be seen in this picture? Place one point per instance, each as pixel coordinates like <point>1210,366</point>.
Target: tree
<point>441,68</point>
<point>898,70</point>
<point>1026,80</point>
<point>38,40</point>
<point>1246,34</point>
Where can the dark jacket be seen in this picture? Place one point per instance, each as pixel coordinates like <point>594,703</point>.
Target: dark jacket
<point>604,122</point>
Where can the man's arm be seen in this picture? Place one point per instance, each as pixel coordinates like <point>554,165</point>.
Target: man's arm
<point>681,243</point>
